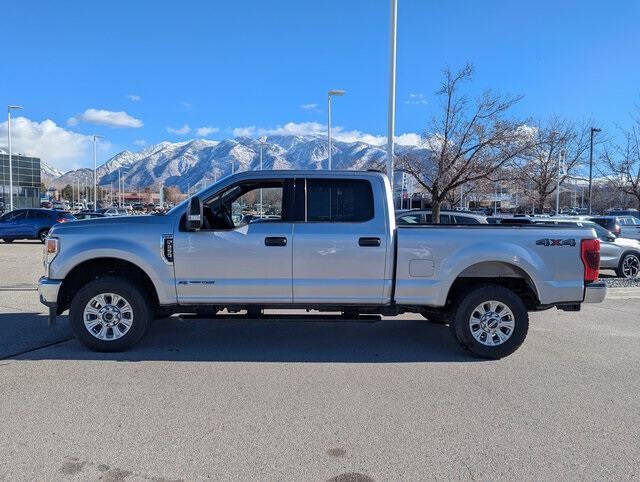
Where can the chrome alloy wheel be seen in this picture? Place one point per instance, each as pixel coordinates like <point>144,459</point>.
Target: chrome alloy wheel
<point>631,266</point>
<point>108,316</point>
<point>492,323</point>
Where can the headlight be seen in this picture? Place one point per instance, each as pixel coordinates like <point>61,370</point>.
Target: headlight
<point>51,248</point>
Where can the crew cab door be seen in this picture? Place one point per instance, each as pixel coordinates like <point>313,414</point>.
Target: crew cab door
<point>340,249</point>
<point>242,254</point>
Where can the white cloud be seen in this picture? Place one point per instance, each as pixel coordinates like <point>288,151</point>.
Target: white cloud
<point>205,131</point>
<point>50,142</point>
<point>317,129</point>
<point>140,142</point>
<point>185,129</point>
<point>72,121</point>
<point>309,106</point>
<point>108,118</point>
<point>416,99</point>
<point>134,98</point>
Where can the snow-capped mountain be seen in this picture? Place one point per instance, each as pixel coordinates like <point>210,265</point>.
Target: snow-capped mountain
<point>192,163</point>
<point>48,173</point>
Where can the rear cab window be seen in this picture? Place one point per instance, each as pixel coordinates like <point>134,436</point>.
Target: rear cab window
<point>339,201</point>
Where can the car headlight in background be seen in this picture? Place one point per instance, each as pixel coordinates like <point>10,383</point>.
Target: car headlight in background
<point>51,248</point>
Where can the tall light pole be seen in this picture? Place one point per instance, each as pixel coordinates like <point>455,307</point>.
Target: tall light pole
<point>593,131</point>
<point>262,144</point>
<point>9,109</point>
<point>95,173</point>
<point>391,114</point>
<point>337,92</point>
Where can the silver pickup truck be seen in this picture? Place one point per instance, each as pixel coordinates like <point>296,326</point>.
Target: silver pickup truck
<point>314,240</point>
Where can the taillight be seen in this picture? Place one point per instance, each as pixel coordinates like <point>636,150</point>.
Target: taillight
<point>590,255</point>
<point>61,220</point>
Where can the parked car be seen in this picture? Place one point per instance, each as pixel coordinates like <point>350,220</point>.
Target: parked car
<point>78,206</point>
<point>629,227</point>
<point>46,204</point>
<point>624,212</point>
<point>619,254</point>
<point>333,249</point>
<point>421,216</point>
<point>112,211</point>
<point>88,215</point>
<point>610,223</point>
<point>30,223</point>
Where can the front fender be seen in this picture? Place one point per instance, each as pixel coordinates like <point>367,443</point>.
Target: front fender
<point>146,256</point>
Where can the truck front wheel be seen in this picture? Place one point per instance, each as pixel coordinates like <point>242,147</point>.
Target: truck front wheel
<point>109,314</point>
<point>490,321</point>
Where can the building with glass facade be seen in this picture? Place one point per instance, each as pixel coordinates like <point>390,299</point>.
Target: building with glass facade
<point>26,182</point>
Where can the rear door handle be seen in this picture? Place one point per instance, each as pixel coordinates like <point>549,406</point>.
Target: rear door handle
<point>275,241</point>
<point>369,242</point>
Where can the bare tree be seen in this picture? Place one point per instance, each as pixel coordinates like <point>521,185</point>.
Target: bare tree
<point>537,174</point>
<point>623,162</point>
<point>466,142</point>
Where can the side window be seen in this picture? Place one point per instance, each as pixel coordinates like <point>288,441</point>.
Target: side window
<point>409,219</point>
<point>257,205</point>
<point>245,203</point>
<point>445,219</point>
<point>19,216</point>
<point>339,200</point>
<point>466,220</point>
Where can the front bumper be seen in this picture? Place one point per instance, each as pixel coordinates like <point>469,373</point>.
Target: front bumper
<point>48,290</point>
<point>595,292</point>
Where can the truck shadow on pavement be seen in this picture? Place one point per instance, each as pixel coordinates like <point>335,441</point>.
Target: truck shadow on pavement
<point>276,340</point>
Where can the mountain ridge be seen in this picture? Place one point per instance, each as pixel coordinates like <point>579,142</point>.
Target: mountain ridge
<point>189,163</point>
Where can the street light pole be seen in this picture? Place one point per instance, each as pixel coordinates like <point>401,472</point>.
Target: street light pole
<point>9,108</point>
<point>262,143</point>
<point>95,174</point>
<point>593,131</point>
<point>391,110</point>
<point>337,92</point>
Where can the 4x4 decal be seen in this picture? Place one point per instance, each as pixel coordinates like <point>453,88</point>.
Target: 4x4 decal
<point>556,242</point>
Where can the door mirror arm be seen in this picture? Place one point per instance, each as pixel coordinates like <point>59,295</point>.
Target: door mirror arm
<point>193,221</point>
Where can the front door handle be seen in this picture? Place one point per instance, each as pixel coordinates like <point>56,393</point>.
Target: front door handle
<point>369,242</point>
<point>275,241</point>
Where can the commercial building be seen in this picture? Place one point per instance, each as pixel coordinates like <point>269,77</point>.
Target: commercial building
<point>26,182</point>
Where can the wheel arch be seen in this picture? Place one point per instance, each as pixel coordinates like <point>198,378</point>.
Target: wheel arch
<point>96,268</point>
<point>500,273</point>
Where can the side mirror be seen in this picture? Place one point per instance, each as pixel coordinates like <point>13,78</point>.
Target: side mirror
<point>194,214</point>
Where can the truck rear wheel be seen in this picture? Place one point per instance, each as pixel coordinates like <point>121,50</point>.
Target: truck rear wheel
<point>490,322</point>
<point>109,314</point>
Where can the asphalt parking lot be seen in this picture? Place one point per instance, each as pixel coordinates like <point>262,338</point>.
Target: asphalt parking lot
<point>274,399</point>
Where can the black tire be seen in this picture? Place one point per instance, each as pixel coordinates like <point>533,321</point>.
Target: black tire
<point>620,270</point>
<point>7,240</point>
<point>466,306</point>
<point>42,235</point>
<point>437,317</point>
<point>120,286</point>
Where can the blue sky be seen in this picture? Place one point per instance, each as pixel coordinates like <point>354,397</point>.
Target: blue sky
<point>225,67</point>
